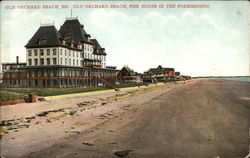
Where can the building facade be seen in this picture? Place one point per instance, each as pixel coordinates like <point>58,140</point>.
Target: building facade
<point>128,75</point>
<point>70,46</point>
<point>64,58</point>
<point>159,73</point>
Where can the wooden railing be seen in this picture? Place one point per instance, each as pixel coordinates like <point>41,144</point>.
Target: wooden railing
<point>107,83</point>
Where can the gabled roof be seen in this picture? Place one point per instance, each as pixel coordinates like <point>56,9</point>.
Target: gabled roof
<point>74,31</point>
<point>129,70</point>
<point>159,67</point>
<point>98,47</point>
<point>45,36</point>
<point>158,70</point>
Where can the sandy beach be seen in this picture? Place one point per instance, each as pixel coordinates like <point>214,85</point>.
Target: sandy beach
<point>199,118</point>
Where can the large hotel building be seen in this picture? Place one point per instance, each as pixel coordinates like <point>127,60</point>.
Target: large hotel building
<point>65,58</point>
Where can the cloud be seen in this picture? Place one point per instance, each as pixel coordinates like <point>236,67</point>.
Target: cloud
<point>17,29</point>
<point>188,41</point>
<point>193,43</point>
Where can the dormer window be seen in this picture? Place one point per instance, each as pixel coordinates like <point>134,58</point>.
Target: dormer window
<point>64,42</point>
<point>72,45</point>
<point>79,46</point>
<point>87,36</point>
<point>41,41</point>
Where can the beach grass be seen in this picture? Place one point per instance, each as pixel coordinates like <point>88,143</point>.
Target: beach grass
<point>124,85</point>
<point>16,93</point>
<point>5,95</point>
<point>53,91</point>
<point>61,91</point>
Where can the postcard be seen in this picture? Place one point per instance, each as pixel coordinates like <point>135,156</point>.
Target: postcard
<point>137,79</point>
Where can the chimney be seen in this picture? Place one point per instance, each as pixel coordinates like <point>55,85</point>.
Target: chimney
<point>17,59</point>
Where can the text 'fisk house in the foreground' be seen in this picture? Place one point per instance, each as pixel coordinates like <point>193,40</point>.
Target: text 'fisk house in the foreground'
<point>64,58</point>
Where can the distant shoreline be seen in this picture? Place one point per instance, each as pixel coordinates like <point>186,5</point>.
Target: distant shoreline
<point>218,76</point>
<point>231,78</point>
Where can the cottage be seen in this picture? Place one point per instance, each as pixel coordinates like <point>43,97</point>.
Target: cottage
<point>126,74</point>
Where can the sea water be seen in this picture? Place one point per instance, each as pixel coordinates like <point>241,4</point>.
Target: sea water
<point>240,79</point>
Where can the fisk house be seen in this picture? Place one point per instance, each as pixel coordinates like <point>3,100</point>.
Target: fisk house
<point>65,58</point>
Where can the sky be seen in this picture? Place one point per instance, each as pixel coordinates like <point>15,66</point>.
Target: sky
<point>211,41</point>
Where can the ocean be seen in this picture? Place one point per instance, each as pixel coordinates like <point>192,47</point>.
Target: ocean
<point>240,79</point>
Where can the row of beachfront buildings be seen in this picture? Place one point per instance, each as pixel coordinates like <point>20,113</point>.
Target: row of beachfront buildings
<point>70,58</point>
<point>151,76</point>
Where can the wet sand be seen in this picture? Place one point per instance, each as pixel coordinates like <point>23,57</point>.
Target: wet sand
<point>198,119</point>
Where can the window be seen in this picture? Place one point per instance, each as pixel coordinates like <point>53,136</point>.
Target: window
<point>54,51</point>
<point>74,62</point>
<point>35,52</point>
<point>41,52</point>
<point>36,82</point>
<point>69,53</point>
<point>60,51</point>
<point>48,51</point>
<point>30,61</point>
<point>73,54</point>
<point>61,61</point>
<point>48,61</point>
<point>65,61</point>
<point>81,55</point>
<point>77,54</point>
<point>79,46</point>
<point>41,41</point>
<point>49,73</point>
<point>54,61</point>
<point>36,73</point>
<point>29,53</point>
<point>35,61</point>
<point>69,61</point>
<point>65,52</point>
<point>55,82</point>
<point>30,74</point>
<point>41,61</point>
